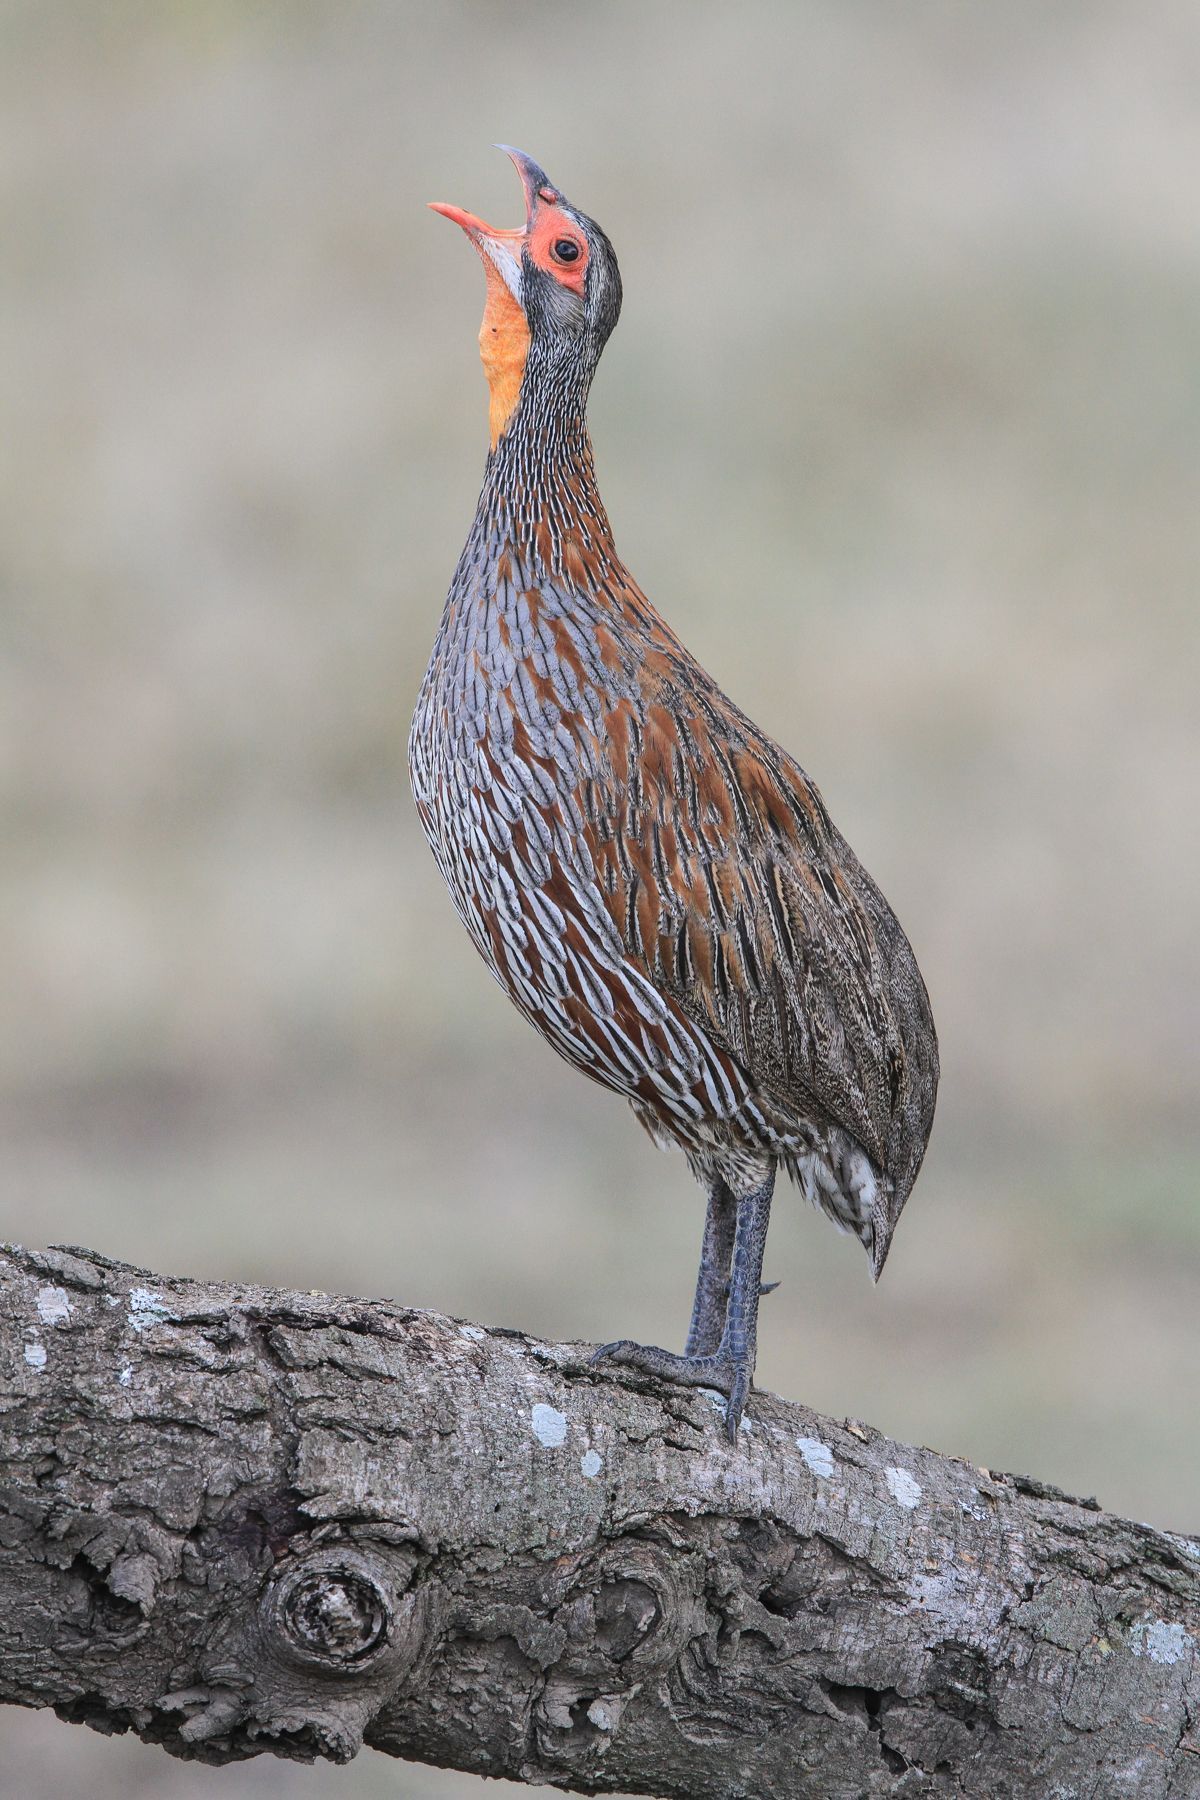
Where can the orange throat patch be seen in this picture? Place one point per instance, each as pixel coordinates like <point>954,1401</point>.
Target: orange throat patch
<point>503,347</point>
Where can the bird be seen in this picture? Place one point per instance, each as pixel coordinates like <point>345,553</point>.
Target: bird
<point>656,884</point>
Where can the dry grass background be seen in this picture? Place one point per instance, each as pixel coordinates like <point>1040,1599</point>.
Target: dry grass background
<point>901,428</point>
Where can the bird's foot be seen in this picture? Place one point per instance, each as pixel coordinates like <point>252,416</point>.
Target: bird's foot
<point>727,1374</point>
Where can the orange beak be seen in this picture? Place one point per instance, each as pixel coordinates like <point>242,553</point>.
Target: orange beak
<point>474,226</point>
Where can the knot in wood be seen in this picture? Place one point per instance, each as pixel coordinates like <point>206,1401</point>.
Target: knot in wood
<point>627,1611</point>
<point>631,1608</point>
<point>337,1615</point>
<point>332,1612</point>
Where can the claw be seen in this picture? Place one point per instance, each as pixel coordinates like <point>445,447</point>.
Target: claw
<point>767,1287</point>
<point>739,1393</point>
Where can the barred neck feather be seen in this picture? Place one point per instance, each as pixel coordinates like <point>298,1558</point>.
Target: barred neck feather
<point>540,496</point>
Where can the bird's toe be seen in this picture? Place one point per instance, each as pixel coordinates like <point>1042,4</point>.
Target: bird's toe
<point>637,1356</point>
<point>725,1374</point>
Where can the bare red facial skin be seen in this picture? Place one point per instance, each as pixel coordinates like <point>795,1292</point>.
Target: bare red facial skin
<point>550,225</point>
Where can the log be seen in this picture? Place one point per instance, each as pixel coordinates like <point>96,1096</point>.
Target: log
<point>239,1521</point>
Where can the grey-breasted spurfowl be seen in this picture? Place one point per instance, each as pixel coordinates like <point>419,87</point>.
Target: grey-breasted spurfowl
<point>655,883</point>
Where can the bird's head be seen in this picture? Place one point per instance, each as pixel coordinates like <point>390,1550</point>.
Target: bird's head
<point>553,295</point>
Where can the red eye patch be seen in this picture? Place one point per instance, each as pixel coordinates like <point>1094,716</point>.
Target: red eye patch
<point>556,244</point>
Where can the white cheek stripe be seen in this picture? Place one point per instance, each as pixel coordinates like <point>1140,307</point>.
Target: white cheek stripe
<point>508,265</point>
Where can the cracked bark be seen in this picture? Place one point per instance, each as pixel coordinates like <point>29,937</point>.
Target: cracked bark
<point>236,1521</point>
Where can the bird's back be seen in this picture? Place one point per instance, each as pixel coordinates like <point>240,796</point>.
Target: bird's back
<point>746,904</point>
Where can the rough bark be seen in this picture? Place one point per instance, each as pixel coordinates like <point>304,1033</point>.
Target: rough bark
<point>238,1521</point>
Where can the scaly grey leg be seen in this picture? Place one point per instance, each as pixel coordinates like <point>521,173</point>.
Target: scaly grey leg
<point>712,1282</point>
<point>730,1367</point>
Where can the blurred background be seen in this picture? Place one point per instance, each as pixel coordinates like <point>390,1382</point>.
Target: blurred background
<point>901,430</point>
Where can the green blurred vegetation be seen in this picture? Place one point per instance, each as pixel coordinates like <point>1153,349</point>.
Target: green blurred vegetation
<point>901,429</point>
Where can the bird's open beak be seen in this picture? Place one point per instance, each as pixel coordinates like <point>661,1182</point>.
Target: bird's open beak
<point>502,249</point>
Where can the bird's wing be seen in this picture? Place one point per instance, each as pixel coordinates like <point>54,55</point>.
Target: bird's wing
<point>737,897</point>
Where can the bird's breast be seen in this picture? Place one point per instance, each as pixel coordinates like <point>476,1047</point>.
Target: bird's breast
<point>507,744</point>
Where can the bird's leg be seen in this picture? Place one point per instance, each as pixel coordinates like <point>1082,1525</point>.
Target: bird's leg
<point>712,1282</point>
<point>730,1367</point>
<point>739,1340</point>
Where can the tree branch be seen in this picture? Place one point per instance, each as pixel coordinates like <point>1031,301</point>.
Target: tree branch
<point>234,1520</point>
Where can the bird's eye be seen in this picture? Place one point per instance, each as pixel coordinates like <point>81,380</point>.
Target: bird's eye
<point>565,250</point>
